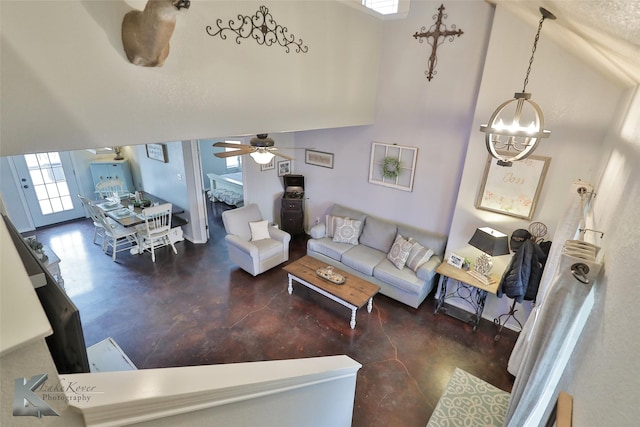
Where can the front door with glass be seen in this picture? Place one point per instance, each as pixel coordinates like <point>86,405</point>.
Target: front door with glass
<point>49,187</point>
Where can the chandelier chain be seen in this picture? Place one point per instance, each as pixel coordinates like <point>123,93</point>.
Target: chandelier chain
<point>533,52</point>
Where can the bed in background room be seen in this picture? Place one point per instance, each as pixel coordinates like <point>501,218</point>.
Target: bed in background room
<point>226,188</point>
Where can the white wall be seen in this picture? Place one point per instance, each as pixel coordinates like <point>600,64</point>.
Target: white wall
<point>434,116</point>
<point>579,106</point>
<point>603,372</point>
<point>66,72</point>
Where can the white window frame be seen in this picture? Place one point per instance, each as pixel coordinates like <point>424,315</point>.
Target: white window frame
<point>403,9</point>
<point>233,163</point>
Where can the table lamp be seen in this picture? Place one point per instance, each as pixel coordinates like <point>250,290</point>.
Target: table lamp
<point>492,243</point>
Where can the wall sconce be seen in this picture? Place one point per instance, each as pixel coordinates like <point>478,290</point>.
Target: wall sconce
<point>492,243</point>
<point>507,138</point>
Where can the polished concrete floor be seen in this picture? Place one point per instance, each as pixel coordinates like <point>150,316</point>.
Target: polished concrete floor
<point>198,308</point>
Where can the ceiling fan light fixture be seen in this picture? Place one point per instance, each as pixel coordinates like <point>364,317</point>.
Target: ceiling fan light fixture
<point>262,156</point>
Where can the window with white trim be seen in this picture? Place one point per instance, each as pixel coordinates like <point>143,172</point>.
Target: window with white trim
<point>383,7</point>
<point>233,162</point>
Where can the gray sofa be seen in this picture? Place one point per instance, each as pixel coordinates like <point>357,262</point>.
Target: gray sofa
<point>368,258</point>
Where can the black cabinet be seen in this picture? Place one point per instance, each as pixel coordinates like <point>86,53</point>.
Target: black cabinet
<point>292,208</point>
<point>292,216</point>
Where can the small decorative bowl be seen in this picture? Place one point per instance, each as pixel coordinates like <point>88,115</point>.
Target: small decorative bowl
<point>143,203</point>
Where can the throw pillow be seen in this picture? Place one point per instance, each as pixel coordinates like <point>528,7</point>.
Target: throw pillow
<point>330,225</point>
<point>399,251</point>
<point>259,230</point>
<point>347,230</point>
<point>418,255</point>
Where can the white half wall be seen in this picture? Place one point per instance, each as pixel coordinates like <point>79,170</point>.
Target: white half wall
<point>66,82</point>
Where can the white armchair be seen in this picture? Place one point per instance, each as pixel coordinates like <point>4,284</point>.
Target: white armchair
<point>257,250</point>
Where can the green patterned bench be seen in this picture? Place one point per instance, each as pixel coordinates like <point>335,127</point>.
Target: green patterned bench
<point>470,402</point>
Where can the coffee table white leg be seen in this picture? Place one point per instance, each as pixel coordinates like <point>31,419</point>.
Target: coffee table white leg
<point>370,305</point>
<point>353,318</point>
<point>290,288</point>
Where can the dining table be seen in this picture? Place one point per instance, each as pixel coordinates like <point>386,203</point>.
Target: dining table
<point>127,212</point>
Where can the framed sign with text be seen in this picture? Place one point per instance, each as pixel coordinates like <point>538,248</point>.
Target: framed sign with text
<point>513,190</point>
<point>157,152</point>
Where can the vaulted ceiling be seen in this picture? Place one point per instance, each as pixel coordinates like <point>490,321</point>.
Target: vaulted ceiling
<point>606,33</point>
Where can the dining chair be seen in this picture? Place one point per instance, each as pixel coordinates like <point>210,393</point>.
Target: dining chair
<point>115,236</point>
<point>154,232</point>
<point>98,229</point>
<point>109,187</point>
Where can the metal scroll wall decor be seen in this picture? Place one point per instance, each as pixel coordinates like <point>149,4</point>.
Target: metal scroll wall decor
<point>261,27</point>
<point>436,35</point>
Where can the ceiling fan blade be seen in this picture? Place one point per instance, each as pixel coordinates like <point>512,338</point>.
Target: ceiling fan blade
<point>224,154</point>
<point>230,145</point>
<point>283,156</point>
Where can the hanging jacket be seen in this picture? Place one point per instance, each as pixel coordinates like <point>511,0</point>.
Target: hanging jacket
<point>521,279</point>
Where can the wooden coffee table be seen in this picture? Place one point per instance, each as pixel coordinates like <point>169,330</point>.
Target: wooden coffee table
<point>353,293</point>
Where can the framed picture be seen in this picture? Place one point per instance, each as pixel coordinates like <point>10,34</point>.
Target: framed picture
<point>318,158</point>
<point>393,165</point>
<point>513,190</point>
<point>284,167</point>
<point>157,152</point>
<point>270,165</point>
<point>455,260</point>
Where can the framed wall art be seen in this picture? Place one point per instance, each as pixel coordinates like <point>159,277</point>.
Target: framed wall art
<point>393,165</point>
<point>157,152</point>
<point>318,158</point>
<point>284,167</point>
<point>513,190</point>
<point>270,165</point>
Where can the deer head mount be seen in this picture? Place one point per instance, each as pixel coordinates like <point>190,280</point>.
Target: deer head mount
<point>146,34</point>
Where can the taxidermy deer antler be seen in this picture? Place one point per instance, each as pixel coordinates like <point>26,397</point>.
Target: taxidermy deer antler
<point>146,34</point>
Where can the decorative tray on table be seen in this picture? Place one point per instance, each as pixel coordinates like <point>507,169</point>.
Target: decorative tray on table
<point>142,203</point>
<point>330,275</point>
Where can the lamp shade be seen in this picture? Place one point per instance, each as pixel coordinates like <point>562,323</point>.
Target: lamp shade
<point>262,157</point>
<point>490,241</point>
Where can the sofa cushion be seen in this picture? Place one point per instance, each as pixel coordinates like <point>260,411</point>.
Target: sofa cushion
<point>378,234</point>
<point>427,271</point>
<point>418,255</point>
<point>404,279</point>
<point>347,230</point>
<point>430,240</point>
<point>326,246</point>
<point>339,210</point>
<point>330,225</point>
<point>399,251</point>
<point>363,259</point>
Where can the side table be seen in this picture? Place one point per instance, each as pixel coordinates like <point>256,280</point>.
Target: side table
<point>52,264</point>
<point>468,289</point>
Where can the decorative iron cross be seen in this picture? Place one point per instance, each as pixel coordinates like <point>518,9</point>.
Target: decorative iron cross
<point>436,35</point>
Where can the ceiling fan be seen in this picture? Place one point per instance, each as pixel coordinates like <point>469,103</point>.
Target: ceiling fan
<point>261,149</point>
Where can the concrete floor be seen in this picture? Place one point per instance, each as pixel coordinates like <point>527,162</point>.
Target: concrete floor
<point>197,308</point>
